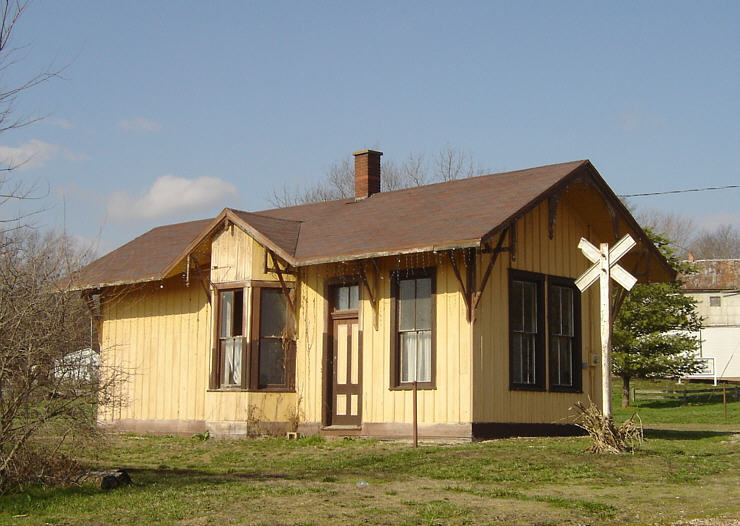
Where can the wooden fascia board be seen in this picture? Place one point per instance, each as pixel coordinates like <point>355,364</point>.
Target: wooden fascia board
<point>555,189</point>
<point>259,237</point>
<point>212,226</point>
<point>467,243</point>
<point>229,214</point>
<point>108,284</point>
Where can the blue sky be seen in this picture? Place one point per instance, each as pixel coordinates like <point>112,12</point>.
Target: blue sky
<point>169,111</point>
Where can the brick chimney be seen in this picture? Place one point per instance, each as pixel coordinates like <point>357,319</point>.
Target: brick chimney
<point>367,173</point>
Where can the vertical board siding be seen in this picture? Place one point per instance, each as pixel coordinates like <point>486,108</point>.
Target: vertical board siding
<point>449,402</point>
<point>493,401</point>
<point>164,337</point>
<point>160,338</point>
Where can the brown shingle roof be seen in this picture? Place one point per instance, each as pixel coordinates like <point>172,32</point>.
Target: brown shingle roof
<point>143,259</point>
<point>453,214</point>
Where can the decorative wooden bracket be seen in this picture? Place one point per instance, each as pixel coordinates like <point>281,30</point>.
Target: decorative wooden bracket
<point>466,290</point>
<point>372,295</point>
<point>494,256</point>
<point>286,290</point>
<point>205,280</point>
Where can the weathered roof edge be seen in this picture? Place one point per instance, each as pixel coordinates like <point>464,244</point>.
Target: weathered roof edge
<point>606,192</point>
<point>231,215</point>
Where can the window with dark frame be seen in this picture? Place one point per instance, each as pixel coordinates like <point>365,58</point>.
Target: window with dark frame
<point>231,338</point>
<point>565,328</point>
<point>526,328</point>
<point>413,344</point>
<point>269,361</point>
<point>531,351</point>
<point>273,348</point>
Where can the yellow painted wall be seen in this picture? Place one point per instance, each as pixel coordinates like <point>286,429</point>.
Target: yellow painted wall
<point>160,337</point>
<point>536,252</point>
<point>163,336</point>
<point>236,256</point>
<point>448,403</point>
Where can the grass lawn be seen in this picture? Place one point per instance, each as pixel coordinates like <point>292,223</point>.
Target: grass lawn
<point>680,475</point>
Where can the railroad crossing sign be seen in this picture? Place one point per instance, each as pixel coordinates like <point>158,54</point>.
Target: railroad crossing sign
<point>605,269</point>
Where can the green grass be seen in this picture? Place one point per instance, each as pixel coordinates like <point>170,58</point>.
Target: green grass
<point>688,468</point>
<point>315,481</point>
<point>703,410</point>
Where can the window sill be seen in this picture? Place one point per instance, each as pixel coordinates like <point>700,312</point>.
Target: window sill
<point>427,386</point>
<point>565,389</point>
<point>260,390</point>
<point>273,390</point>
<point>521,387</point>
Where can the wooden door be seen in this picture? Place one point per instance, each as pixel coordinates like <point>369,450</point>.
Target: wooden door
<point>347,372</point>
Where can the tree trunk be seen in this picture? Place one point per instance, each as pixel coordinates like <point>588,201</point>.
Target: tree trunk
<point>625,391</point>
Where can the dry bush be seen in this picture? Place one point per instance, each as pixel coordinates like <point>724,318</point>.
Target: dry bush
<point>49,395</point>
<point>605,438</point>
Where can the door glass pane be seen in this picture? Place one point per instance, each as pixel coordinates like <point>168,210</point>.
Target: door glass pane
<point>227,313</point>
<point>341,299</point>
<point>408,356</point>
<point>354,297</point>
<point>271,362</point>
<point>406,300</point>
<point>272,313</point>
<point>424,356</point>
<point>423,304</point>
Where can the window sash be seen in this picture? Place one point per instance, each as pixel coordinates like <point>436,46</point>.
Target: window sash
<point>564,329</point>
<point>272,350</point>
<point>412,344</point>
<point>230,349</point>
<point>525,332</point>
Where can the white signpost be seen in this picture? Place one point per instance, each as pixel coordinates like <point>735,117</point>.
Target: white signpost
<point>605,267</point>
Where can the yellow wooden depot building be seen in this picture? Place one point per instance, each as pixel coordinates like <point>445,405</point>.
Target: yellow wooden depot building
<point>319,318</point>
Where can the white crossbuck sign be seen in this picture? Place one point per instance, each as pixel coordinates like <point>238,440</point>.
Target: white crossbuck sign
<point>603,269</point>
<point>593,254</point>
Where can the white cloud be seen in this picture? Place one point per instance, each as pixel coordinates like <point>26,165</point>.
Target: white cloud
<point>139,124</point>
<point>35,154</point>
<point>170,195</point>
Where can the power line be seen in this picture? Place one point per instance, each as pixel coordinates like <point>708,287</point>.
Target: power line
<point>684,191</point>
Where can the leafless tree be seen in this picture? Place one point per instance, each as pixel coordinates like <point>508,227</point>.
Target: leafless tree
<point>452,163</point>
<point>680,230</point>
<point>449,164</point>
<point>11,89</point>
<point>722,242</point>
<point>49,392</point>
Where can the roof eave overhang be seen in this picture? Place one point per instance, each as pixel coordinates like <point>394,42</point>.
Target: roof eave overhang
<point>108,284</point>
<point>342,258</point>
